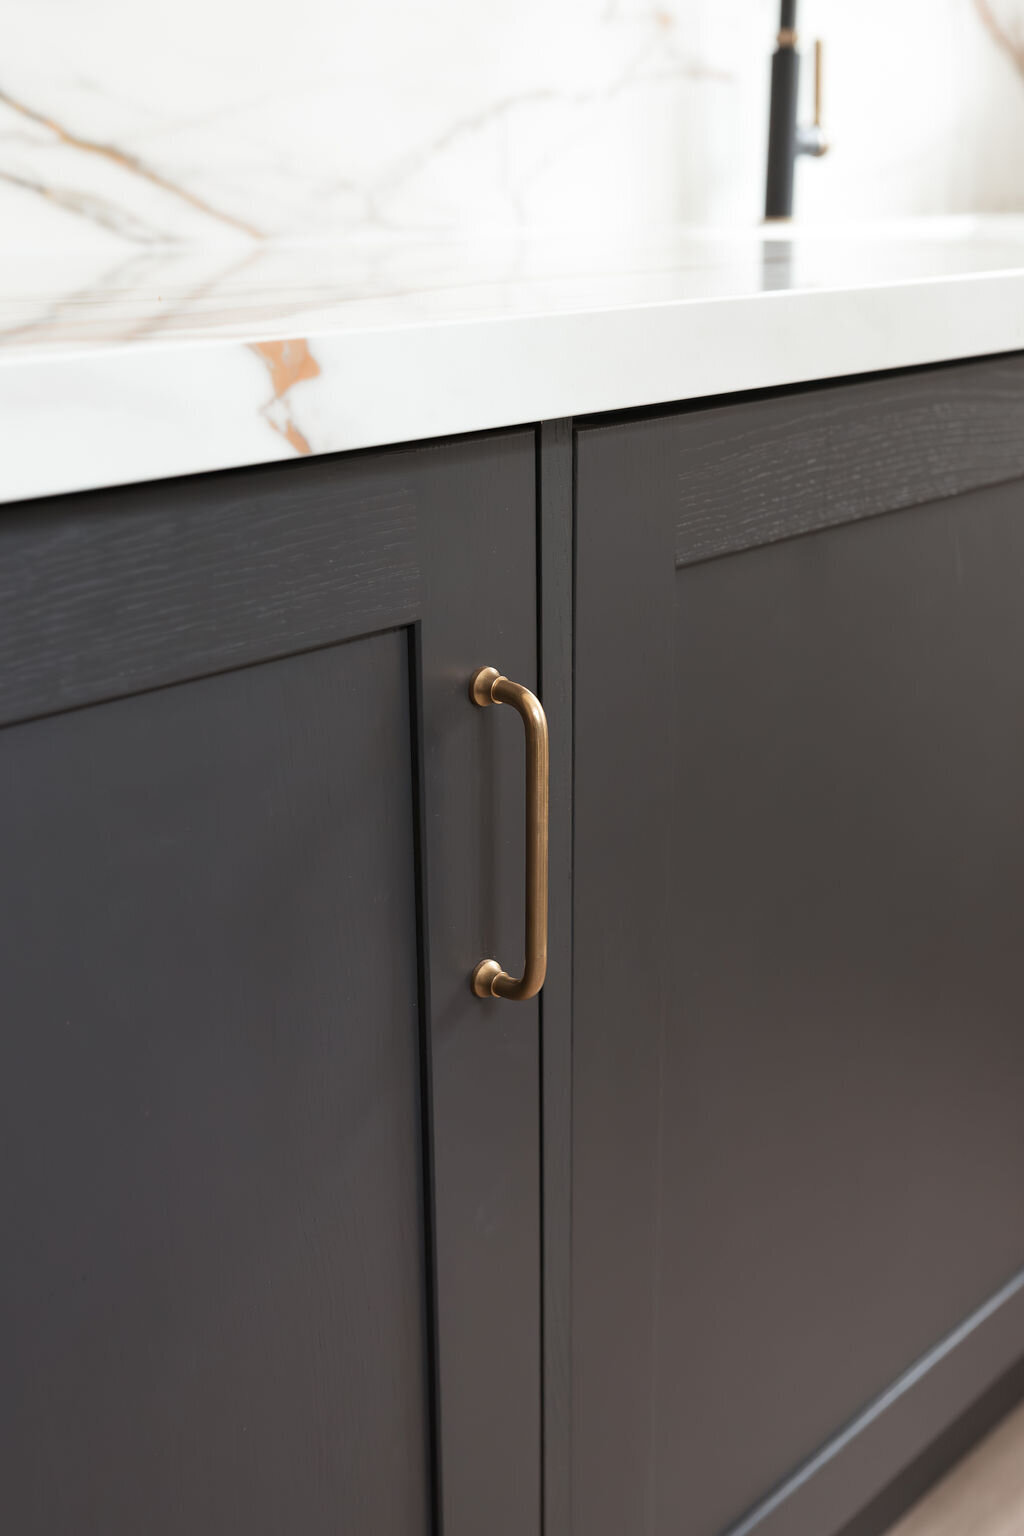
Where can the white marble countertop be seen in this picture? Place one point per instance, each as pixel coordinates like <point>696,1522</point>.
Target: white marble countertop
<point>178,360</point>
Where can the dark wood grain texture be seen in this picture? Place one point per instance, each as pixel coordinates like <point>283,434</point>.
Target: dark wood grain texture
<point>769,469</point>
<point>118,591</point>
<point>555,596</point>
<point>798,1066</point>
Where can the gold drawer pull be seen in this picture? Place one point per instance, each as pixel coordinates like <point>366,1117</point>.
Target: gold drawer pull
<point>489,980</point>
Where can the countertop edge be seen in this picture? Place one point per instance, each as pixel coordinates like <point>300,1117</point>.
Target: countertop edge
<point>81,421</point>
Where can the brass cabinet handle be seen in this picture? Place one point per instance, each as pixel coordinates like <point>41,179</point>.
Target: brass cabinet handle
<point>489,980</point>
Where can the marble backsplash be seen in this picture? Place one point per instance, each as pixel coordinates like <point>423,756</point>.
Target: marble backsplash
<point>229,121</point>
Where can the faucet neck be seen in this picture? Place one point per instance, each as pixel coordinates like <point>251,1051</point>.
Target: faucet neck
<point>785,139</point>
<point>782,134</point>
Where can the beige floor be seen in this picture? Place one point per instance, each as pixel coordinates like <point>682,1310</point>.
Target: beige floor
<point>982,1496</point>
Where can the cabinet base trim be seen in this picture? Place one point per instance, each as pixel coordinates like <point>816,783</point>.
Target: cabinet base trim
<point>829,1489</point>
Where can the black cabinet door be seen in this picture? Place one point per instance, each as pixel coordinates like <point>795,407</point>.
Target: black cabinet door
<point>269,1174</point>
<point>798,1156</point>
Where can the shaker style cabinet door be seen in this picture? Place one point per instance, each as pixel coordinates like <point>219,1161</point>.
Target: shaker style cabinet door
<point>269,1184</point>
<point>798,1137</point>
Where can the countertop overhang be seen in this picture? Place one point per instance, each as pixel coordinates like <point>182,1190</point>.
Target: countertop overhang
<point>177,361</point>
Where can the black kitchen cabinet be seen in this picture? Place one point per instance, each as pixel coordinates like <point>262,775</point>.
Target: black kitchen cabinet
<point>724,1233</point>
<point>270,1173</point>
<point>798,1053</point>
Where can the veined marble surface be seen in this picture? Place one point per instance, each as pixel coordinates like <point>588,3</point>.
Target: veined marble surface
<point>175,360</point>
<point>124,125</point>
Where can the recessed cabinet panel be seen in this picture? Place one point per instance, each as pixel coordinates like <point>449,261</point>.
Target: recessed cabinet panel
<point>215,1279</point>
<point>843,1056</point>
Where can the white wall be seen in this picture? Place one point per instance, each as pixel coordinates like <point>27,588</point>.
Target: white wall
<point>124,122</point>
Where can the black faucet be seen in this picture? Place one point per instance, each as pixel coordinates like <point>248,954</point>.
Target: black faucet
<point>785,139</point>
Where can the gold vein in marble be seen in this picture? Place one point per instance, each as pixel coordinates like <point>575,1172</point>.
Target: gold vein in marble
<point>127,162</point>
<point>288,363</point>
<point>1014,46</point>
